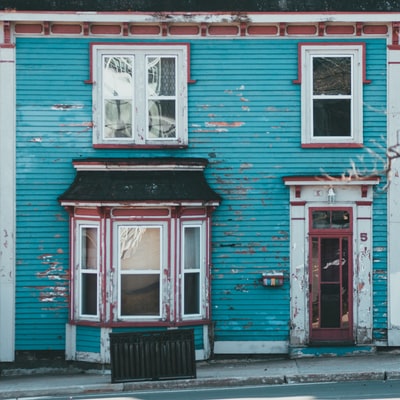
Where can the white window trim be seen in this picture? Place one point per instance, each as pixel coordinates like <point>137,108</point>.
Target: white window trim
<point>202,272</point>
<point>356,51</point>
<point>78,292</point>
<point>140,51</point>
<point>163,272</point>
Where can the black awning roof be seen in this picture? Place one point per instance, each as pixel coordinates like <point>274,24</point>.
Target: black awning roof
<point>139,186</point>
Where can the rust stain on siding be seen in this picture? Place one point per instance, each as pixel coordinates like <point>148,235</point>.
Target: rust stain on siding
<point>225,124</point>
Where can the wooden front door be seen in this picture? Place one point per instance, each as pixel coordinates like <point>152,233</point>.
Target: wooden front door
<point>330,270</point>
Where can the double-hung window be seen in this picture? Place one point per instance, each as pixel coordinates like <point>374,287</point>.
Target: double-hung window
<point>87,271</point>
<point>141,266</point>
<point>140,95</point>
<point>193,269</point>
<point>332,94</point>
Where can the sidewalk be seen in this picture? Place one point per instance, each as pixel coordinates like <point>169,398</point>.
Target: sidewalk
<point>379,366</point>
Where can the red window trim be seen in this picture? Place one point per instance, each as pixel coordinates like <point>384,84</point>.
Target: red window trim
<point>331,44</point>
<point>330,231</point>
<point>201,214</point>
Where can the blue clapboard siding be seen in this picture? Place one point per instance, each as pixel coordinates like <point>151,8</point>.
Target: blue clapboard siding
<point>244,116</point>
<point>88,339</point>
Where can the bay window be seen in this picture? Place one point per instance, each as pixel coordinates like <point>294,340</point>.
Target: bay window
<point>141,241</point>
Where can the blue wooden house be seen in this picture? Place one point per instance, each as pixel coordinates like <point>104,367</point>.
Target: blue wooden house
<point>223,172</point>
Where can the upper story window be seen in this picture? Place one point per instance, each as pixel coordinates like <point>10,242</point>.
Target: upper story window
<point>332,94</point>
<point>140,95</point>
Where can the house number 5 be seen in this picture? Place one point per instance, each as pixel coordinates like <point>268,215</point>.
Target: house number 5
<point>363,236</point>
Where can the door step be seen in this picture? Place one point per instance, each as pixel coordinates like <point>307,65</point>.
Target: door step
<point>332,350</point>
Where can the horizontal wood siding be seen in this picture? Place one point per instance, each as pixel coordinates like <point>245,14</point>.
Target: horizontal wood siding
<point>244,116</point>
<point>87,339</point>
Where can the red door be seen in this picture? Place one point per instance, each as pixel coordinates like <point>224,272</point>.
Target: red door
<point>330,270</point>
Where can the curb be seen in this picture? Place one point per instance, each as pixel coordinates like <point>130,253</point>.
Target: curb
<point>197,383</point>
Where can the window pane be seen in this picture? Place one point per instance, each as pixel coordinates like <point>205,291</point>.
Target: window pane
<point>140,248</point>
<point>117,94</point>
<point>89,248</point>
<point>161,76</point>
<point>192,293</point>
<point>89,294</point>
<point>162,119</point>
<point>118,119</point>
<point>192,248</point>
<point>140,295</point>
<point>332,117</point>
<point>332,75</point>
<point>330,219</point>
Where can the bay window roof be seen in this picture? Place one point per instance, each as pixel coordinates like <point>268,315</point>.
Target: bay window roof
<point>140,180</point>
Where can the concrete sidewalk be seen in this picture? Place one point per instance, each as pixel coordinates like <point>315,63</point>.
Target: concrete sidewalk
<point>379,366</point>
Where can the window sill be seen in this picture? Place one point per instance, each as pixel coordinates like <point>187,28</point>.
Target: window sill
<point>139,146</point>
<point>139,324</point>
<point>331,145</point>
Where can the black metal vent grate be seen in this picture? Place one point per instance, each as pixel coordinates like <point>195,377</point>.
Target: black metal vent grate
<point>152,355</point>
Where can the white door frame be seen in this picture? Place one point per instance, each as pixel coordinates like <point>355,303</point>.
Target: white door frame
<point>313,192</point>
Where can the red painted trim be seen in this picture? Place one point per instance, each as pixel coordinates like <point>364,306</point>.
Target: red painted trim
<point>301,29</point>
<point>395,33</point>
<point>332,145</point>
<point>364,203</point>
<point>138,324</point>
<point>7,46</point>
<point>393,47</point>
<point>330,231</point>
<point>331,44</point>
<point>340,30</point>
<point>375,29</point>
<point>111,44</point>
<point>140,212</point>
<point>99,29</point>
<point>72,29</point>
<point>192,30</point>
<point>223,30</point>
<point>325,179</point>
<point>297,204</point>
<point>145,30</point>
<point>28,28</point>
<point>265,30</point>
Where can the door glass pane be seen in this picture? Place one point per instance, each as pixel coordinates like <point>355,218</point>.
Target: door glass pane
<point>330,305</point>
<point>330,282</point>
<point>345,283</point>
<point>140,294</point>
<point>330,219</point>
<point>315,262</point>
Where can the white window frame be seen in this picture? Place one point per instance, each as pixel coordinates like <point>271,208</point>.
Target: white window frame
<point>307,53</point>
<point>163,272</point>
<point>202,270</point>
<point>140,95</point>
<point>81,225</point>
